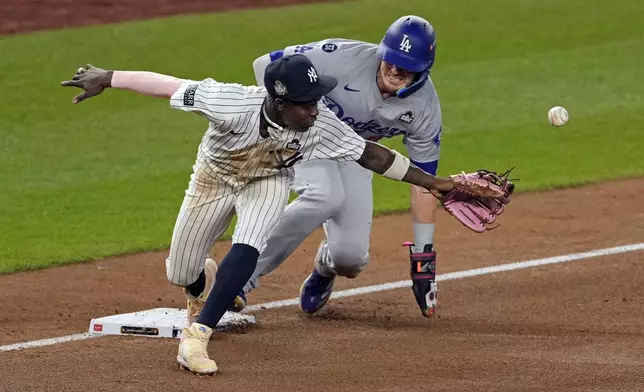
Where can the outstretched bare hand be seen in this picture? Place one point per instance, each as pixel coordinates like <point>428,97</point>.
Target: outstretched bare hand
<point>91,79</point>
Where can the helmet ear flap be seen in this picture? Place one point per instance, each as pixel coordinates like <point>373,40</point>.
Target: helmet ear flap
<point>415,86</point>
<point>432,54</point>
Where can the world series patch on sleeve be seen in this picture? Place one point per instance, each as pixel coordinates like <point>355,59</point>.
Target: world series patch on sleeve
<point>478,198</point>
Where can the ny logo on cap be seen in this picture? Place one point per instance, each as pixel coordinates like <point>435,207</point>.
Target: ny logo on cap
<point>280,88</point>
<point>405,44</point>
<point>313,76</point>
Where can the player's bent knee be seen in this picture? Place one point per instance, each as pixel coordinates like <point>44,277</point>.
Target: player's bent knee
<point>348,272</point>
<point>181,278</point>
<point>349,259</point>
<point>178,280</point>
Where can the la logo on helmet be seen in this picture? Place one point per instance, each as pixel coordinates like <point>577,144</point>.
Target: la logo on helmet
<point>405,44</point>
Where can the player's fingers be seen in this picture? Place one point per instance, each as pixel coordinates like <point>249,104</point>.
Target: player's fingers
<point>80,97</point>
<point>79,76</point>
<point>71,83</point>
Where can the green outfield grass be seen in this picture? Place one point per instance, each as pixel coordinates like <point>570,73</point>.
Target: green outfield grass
<point>107,176</point>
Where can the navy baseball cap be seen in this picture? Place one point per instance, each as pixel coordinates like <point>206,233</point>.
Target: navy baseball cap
<point>294,78</point>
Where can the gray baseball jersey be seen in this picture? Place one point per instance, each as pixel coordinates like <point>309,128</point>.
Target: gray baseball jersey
<point>355,65</point>
<point>340,194</point>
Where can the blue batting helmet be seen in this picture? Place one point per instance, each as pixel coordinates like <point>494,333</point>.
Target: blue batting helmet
<point>410,43</point>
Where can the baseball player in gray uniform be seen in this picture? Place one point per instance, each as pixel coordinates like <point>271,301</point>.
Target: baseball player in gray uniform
<point>245,165</point>
<point>383,91</point>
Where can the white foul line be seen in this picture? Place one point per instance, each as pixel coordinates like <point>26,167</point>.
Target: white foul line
<point>460,275</point>
<point>48,342</point>
<point>376,288</point>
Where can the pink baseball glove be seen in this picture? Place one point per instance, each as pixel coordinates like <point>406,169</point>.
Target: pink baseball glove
<point>478,198</point>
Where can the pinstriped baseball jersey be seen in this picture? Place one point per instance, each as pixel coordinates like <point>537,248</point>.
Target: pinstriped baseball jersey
<point>358,102</point>
<point>233,146</point>
<point>239,171</point>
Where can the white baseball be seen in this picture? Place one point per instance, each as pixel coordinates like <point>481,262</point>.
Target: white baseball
<point>557,116</point>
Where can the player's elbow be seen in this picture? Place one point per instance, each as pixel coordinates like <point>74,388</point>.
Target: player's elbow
<point>259,66</point>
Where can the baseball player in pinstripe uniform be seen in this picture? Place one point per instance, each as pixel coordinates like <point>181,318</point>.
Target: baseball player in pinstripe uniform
<point>384,90</point>
<point>245,165</point>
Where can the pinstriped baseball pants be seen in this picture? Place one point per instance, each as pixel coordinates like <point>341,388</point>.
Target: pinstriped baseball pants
<point>207,210</point>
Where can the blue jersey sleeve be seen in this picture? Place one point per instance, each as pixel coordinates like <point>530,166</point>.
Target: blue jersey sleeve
<point>428,167</point>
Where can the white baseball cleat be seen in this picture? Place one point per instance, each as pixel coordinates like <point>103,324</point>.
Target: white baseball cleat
<point>193,350</point>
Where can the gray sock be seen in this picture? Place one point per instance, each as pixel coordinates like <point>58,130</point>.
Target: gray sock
<point>423,235</point>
